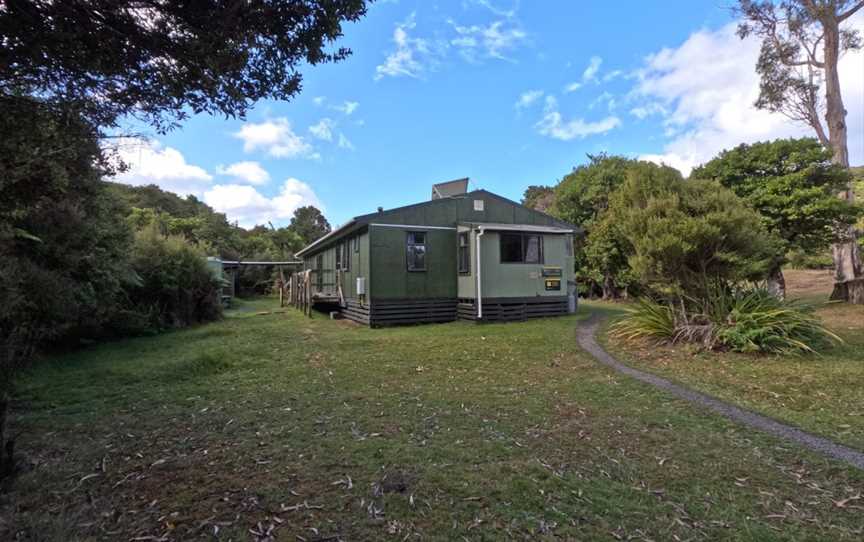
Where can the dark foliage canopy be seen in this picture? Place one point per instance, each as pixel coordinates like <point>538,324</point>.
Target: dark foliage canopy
<point>793,184</point>
<point>161,60</point>
<point>540,198</point>
<point>309,224</point>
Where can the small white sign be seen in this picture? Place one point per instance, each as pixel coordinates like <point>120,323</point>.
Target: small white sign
<point>478,204</point>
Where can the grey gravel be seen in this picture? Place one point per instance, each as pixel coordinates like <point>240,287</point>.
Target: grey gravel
<point>585,335</point>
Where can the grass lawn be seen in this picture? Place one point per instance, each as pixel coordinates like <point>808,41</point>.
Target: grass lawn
<point>823,394</point>
<point>274,425</point>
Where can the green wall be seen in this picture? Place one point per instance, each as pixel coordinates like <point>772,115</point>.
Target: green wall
<point>390,278</point>
<point>359,266</point>
<point>520,279</point>
<point>516,279</point>
<point>450,211</point>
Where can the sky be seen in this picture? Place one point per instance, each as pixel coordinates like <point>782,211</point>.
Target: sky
<point>507,93</point>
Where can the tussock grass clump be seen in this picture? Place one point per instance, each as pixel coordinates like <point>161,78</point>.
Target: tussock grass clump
<point>739,320</point>
<point>203,365</point>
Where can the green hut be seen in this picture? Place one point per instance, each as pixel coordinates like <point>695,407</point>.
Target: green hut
<point>470,255</point>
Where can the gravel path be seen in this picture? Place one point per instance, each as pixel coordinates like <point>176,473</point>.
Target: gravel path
<point>585,335</point>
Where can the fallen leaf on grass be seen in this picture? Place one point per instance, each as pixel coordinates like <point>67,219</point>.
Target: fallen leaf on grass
<point>843,502</point>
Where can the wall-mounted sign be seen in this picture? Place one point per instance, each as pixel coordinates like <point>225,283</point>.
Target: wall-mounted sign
<point>553,284</point>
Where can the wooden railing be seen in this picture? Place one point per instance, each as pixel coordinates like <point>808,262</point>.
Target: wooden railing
<point>300,291</point>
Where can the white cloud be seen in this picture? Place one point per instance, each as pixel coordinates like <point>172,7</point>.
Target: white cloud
<point>507,13</point>
<point>705,89</point>
<point>651,108</point>
<point>319,100</point>
<point>553,124</point>
<point>590,73</point>
<point>249,207</point>
<point>611,76</point>
<point>527,98</point>
<point>344,143</point>
<point>487,41</point>
<point>572,87</point>
<point>415,56</point>
<point>150,163</point>
<point>251,172</point>
<point>347,107</point>
<point>276,137</point>
<point>605,97</point>
<point>412,57</point>
<point>323,129</point>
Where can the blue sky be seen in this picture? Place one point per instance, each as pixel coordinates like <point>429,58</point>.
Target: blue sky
<point>506,93</point>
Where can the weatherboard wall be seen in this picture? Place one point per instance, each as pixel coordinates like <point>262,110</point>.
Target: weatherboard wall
<point>358,267</point>
<point>506,280</point>
<point>390,278</point>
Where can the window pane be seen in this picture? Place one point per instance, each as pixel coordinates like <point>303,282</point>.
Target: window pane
<point>416,258</point>
<point>417,238</point>
<point>511,248</point>
<point>532,249</point>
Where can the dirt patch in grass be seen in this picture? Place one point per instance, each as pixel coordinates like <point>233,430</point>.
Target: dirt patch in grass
<point>809,284</point>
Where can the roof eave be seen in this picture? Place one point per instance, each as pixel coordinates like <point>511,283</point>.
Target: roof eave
<point>320,241</point>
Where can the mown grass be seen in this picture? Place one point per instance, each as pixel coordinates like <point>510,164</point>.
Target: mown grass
<point>275,424</point>
<point>823,394</point>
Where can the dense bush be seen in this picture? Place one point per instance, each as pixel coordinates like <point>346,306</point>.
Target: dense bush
<point>582,197</point>
<point>680,237</point>
<point>741,320</point>
<point>176,288</point>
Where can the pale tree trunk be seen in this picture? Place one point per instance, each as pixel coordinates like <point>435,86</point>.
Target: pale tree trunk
<point>848,273</point>
<point>777,283</point>
<point>610,291</point>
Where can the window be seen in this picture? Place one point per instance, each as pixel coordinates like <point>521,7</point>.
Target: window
<point>338,256</point>
<point>319,272</point>
<point>416,251</point>
<point>464,255</point>
<point>356,243</point>
<point>521,248</point>
<point>346,256</point>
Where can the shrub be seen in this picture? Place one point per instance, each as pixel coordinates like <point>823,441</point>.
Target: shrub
<point>741,320</point>
<point>680,237</point>
<point>647,319</point>
<point>759,322</point>
<point>176,287</point>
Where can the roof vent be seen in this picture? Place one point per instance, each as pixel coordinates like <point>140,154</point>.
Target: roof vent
<point>450,188</point>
